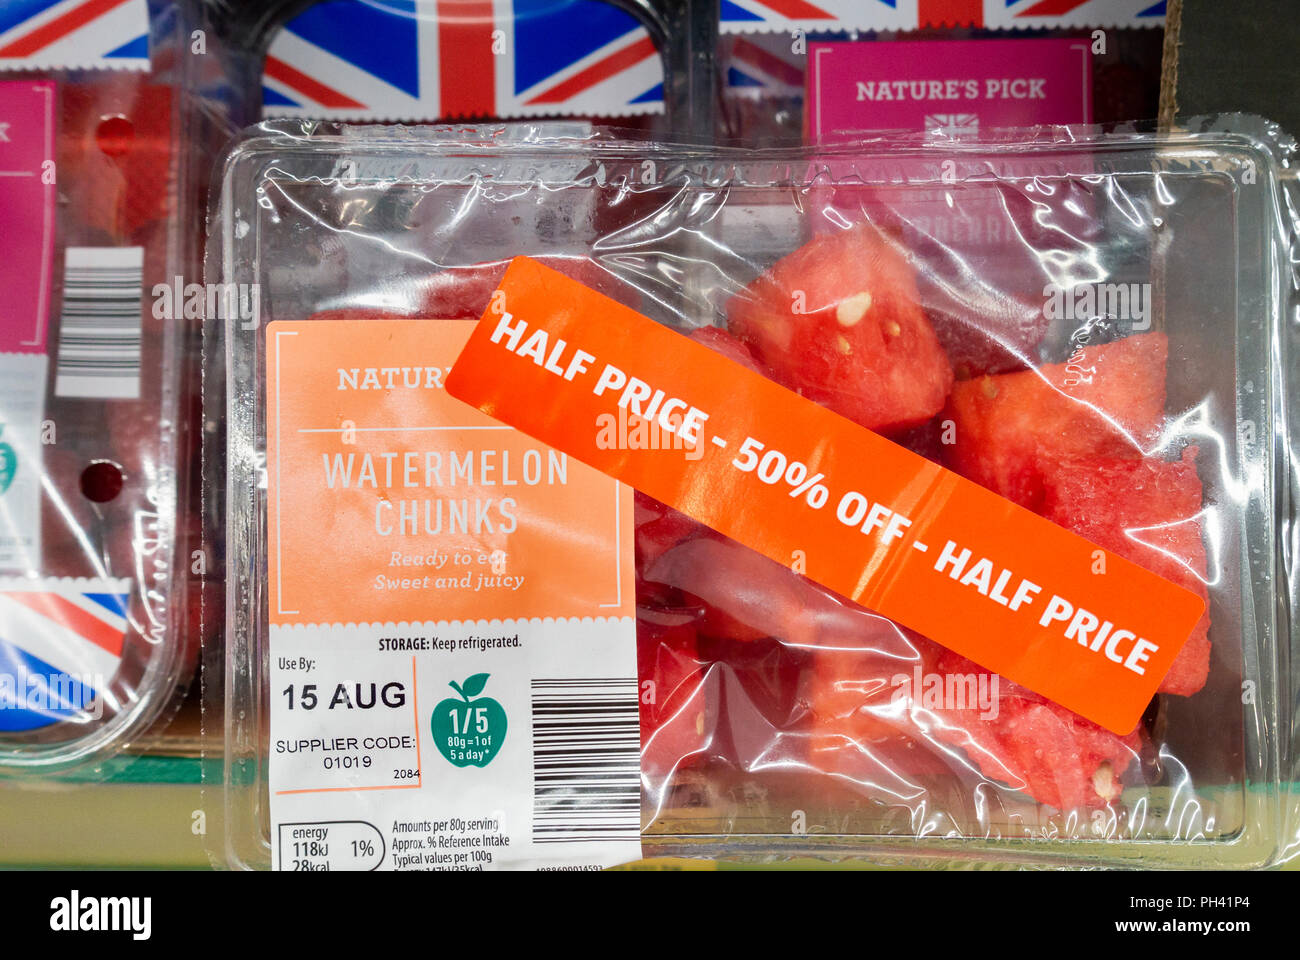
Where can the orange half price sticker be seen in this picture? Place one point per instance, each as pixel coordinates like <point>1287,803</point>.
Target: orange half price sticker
<point>873,521</point>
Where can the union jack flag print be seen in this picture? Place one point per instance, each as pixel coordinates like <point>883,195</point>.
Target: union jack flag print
<point>1020,14</point>
<point>74,34</point>
<point>420,60</point>
<point>752,16</point>
<point>812,16</point>
<point>953,125</point>
<point>763,65</point>
<point>60,646</point>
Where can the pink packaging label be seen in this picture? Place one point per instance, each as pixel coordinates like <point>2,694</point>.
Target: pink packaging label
<point>983,284</point>
<point>952,86</point>
<point>26,213</point>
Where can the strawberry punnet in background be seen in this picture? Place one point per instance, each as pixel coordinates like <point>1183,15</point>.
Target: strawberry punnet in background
<point>113,454</point>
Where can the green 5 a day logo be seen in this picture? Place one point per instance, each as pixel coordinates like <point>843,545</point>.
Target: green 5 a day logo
<point>469,731</point>
<point>8,462</point>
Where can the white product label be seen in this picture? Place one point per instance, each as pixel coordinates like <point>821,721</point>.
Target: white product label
<point>455,746</point>
<point>100,331</point>
<point>22,406</point>
<point>452,647</point>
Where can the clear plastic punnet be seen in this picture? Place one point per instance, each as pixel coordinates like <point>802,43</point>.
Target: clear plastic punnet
<point>455,641</point>
<point>100,176</point>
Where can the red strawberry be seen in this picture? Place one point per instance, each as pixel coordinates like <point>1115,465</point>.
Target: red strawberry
<point>115,153</point>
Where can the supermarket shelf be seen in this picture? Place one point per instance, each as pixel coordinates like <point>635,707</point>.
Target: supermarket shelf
<point>138,824</point>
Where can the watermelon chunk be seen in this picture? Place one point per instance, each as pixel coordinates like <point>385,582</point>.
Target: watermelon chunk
<point>720,341</point>
<point>839,321</point>
<point>918,701</point>
<point>745,596</point>
<point>927,440</point>
<point>658,527</point>
<point>678,710</point>
<point>1146,511</point>
<point>993,333</point>
<point>1028,742</point>
<point>1107,401</point>
<point>742,594</point>
<point>859,721</point>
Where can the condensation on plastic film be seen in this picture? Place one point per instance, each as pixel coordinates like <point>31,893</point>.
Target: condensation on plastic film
<point>1201,782</point>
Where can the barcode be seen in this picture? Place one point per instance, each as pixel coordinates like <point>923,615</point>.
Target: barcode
<point>99,330</point>
<point>586,760</point>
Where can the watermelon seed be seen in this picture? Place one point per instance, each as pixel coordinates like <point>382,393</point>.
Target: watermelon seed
<point>851,310</point>
<point>1103,781</point>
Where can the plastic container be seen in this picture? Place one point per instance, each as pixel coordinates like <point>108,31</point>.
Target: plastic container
<point>768,67</point>
<point>788,720</point>
<point>102,200</point>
